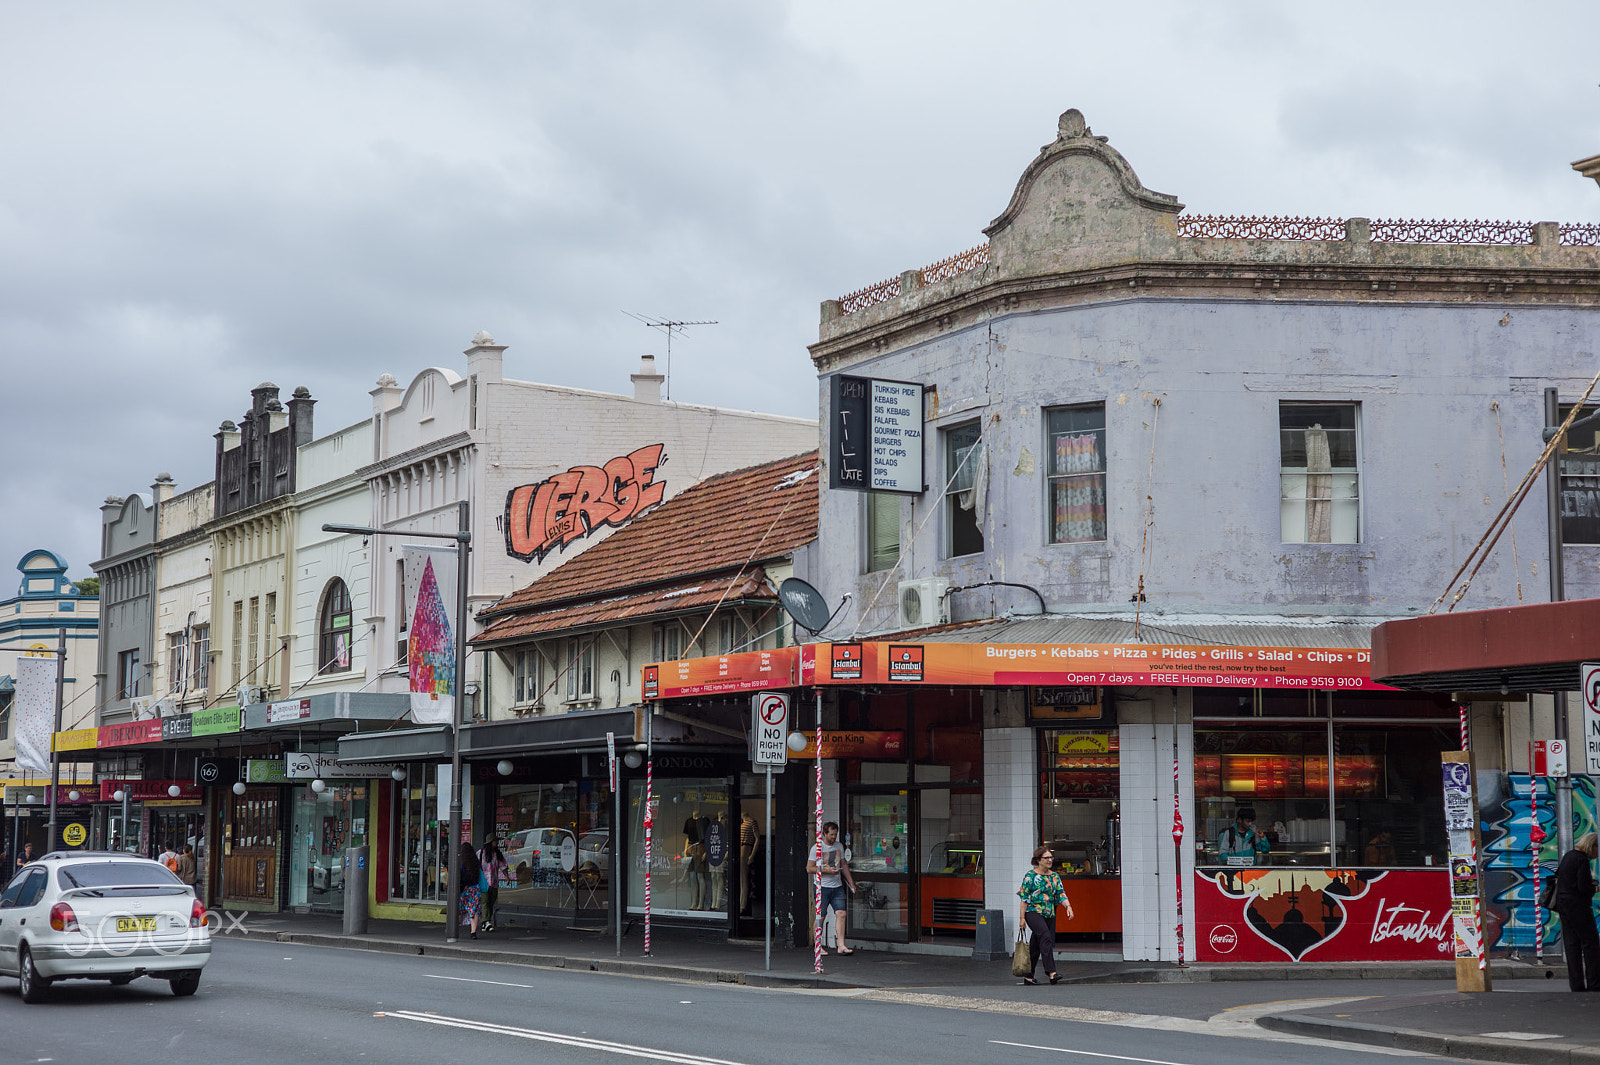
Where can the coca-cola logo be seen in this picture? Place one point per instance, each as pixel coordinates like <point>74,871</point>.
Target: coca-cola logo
<point>1224,939</point>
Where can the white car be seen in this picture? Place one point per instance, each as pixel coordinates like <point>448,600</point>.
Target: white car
<point>77,915</point>
<point>534,855</point>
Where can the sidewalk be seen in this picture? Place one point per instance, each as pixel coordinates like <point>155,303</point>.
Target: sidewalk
<point>1531,1017</point>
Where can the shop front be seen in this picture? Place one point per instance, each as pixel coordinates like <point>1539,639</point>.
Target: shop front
<point>329,814</point>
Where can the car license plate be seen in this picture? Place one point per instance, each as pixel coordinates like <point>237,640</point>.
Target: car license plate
<point>136,924</point>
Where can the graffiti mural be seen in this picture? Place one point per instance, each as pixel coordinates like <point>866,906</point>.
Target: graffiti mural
<point>1299,913</point>
<point>1506,811</point>
<point>548,516</point>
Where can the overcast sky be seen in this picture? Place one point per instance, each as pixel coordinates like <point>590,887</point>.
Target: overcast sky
<point>199,197</point>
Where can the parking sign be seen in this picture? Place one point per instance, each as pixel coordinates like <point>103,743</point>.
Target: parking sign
<point>769,724</point>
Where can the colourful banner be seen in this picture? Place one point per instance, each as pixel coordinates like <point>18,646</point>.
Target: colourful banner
<point>430,595</point>
<point>1296,913</point>
<point>145,790</point>
<point>33,711</point>
<point>742,672</point>
<point>219,721</point>
<point>77,739</point>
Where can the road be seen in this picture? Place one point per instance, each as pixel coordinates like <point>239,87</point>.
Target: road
<point>263,1001</point>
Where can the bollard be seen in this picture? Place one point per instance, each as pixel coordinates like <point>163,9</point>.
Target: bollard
<point>356,870</point>
<point>991,942</point>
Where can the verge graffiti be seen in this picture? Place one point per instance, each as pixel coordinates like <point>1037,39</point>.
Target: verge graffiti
<point>543,517</point>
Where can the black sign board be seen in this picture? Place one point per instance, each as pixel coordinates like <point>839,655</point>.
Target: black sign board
<point>177,728</point>
<point>848,449</point>
<point>875,435</point>
<point>212,771</point>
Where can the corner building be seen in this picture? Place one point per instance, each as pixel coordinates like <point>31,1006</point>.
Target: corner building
<point>1173,469</point>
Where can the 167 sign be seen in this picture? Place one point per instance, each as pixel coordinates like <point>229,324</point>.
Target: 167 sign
<point>769,725</point>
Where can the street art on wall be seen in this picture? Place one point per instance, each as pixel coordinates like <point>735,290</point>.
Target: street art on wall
<point>1506,810</point>
<point>548,516</point>
<point>1299,913</point>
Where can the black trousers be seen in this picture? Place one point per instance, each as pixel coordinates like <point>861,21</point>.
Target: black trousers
<point>1042,942</point>
<point>1581,943</point>
<point>490,897</point>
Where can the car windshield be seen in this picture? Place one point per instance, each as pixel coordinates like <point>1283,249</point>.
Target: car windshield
<point>120,878</point>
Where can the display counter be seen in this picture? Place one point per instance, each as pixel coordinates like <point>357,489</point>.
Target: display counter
<point>1096,905</point>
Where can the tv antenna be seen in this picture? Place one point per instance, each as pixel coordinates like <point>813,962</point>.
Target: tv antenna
<point>667,326</point>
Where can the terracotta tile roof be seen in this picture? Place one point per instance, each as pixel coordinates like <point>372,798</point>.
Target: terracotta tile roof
<point>668,599</point>
<point>750,515</point>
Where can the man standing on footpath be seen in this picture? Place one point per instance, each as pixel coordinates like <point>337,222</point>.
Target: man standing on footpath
<point>827,861</point>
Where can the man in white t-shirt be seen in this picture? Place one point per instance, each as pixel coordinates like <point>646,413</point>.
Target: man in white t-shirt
<point>827,862</point>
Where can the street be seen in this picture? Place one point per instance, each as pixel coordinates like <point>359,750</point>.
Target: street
<point>263,1001</point>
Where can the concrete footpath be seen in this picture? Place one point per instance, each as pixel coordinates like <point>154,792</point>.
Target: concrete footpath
<point>1530,1017</point>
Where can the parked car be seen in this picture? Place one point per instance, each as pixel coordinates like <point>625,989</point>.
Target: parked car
<point>85,915</point>
<point>534,855</point>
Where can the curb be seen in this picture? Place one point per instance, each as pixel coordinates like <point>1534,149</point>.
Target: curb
<point>1475,1047</point>
<point>618,966</point>
<point>1243,974</point>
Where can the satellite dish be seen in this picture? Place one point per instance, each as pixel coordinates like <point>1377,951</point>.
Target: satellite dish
<point>805,604</point>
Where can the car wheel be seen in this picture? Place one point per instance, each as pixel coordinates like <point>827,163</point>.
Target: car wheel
<point>34,988</point>
<point>186,984</point>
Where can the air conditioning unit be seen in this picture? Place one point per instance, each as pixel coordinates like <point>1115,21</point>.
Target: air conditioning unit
<point>922,603</point>
<point>143,707</point>
<point>250,694</point>
<point>167,707</point>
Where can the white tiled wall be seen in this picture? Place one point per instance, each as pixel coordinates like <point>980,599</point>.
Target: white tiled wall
<point>1010,815</point>
<point>1149,902</point>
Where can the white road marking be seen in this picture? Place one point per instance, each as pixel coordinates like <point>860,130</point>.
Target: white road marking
<point>469,980</point>
<point>1529,1036</point>
<point>624,1049</point>
<point>1087,1053</point>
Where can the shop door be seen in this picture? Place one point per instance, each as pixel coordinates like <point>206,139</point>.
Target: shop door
<point>250,847</point>
<point>881,853</point>
<point>746,860</point>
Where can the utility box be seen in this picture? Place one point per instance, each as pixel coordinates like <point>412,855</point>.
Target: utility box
<point>357,868</point>
<point>991,942</point>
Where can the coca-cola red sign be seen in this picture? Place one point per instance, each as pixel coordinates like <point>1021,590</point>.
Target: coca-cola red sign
<point>1323,915</point>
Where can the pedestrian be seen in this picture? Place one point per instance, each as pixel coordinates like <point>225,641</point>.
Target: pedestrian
<point>827,862</point>
<point>168,857</point>
<point>186,865</point>
<point>1240,843</point>
<point>471,891</point>
<point>1041,892</point>
<point>27,854</point>
<point>494,864</point>
<point>1574,902</point>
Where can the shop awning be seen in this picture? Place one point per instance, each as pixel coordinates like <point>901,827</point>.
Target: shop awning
<point>583,730</point>
<point>1534,648</point>
<point>430,744</point>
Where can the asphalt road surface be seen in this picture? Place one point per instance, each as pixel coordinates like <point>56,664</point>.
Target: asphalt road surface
<point>263,1001</point>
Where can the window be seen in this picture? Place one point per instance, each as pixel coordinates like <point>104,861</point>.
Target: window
<point>1320,473</point>
<point>269,648</point>
<point>1076,451</point>
<point>883,530</point>
<point>238,642</point>
<point>1580,484</point>
<point>333,653</point>
<point>580,669</point>
<point>253,640</point>
<point>734,634</point>
<point>403,620</point>
<point>176,645</point>
<point>128,674</point>
<point>669,642</point>
<point>526,666</point>
<point>200,657</point>
<point>966,489</point>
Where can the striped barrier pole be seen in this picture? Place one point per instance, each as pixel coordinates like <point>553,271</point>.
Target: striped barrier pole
<point>817,889</point>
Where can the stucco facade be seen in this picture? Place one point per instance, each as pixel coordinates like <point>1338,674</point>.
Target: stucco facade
<point>46,605</point>
<point>127,572</point>
<point>184,649</point>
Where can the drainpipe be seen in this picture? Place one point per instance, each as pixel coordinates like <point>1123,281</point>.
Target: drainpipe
<point>1552,480</point>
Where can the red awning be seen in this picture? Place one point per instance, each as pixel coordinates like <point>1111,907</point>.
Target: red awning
<point>1537,648</point>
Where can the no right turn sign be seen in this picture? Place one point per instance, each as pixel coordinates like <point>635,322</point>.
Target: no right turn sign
<point>1591,716</point>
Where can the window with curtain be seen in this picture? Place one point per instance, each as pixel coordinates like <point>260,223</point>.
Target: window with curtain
<point>736,634</point>
<point>669,642</point>
<point>1076,453</point>
<point>967,485</point>
<point>175,649</point>
<point>526,668</point>
<point>883,530</point>
<point>200,657</point>
<point>580,669</point>
<point>334,654</point>
<point>1320,475</point>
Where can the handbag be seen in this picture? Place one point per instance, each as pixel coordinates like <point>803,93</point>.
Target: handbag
<point>1021,959</point>
<point>1548,894</point>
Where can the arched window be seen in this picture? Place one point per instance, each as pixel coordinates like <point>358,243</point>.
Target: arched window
<point>334,649</point>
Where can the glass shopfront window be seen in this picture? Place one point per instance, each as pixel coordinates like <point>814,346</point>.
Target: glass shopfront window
<point>557,841</point>
<point>1080,785</point>
<point>422,835</point>
<point>694,844</point>
<point>1380,806</point>
<point>324,825</point>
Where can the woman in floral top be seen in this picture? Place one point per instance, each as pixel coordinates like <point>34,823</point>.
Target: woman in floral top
<point>1041,892</point>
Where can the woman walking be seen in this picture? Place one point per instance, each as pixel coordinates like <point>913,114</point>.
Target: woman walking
<point>494,866</point>
<point>471,895</point>
<point>1574,901</point>
<point>1041,892</point>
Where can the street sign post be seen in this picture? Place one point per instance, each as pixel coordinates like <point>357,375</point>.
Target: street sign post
<point>769,725</point>
<point>1548,758</point>
<point>1591,716</point>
